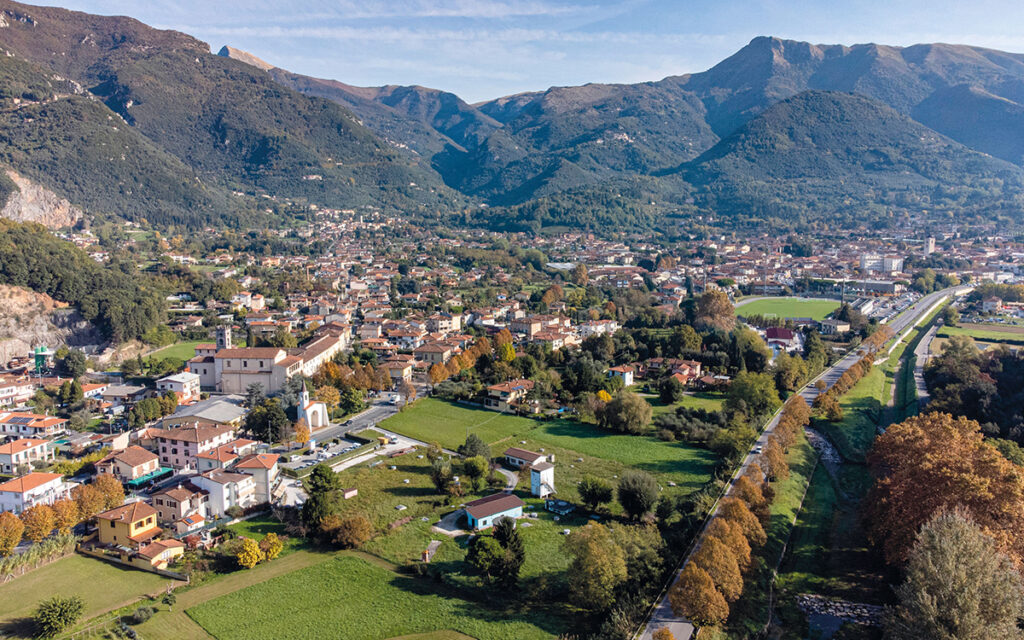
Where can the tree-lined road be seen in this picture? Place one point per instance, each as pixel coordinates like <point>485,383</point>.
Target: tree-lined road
<point>662,615</point>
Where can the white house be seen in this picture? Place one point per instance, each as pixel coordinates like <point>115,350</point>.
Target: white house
<point>226,489</point>
<point>622,372</point>
<point>264,471</point>
<point>32,489</point>
<point>185,385</point>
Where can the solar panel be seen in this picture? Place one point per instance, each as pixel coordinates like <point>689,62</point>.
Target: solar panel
<point>21,420</point>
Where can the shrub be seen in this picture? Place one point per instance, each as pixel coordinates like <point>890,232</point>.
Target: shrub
<point>57,614</point>
<point>142,614</point>
<point>235,511</point>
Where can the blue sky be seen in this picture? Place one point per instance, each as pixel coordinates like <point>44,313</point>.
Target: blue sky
<point>483,49</point>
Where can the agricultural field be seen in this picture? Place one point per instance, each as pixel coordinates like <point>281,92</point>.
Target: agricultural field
<point>74,575</point>
<point>367,601</point>
<point>788,308</point>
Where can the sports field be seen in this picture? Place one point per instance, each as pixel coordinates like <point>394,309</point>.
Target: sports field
<point>788,308</point>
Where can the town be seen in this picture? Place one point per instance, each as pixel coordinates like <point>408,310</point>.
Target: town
<point>404,393</point>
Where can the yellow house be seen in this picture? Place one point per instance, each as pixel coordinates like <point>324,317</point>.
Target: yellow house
<point>131,525</point>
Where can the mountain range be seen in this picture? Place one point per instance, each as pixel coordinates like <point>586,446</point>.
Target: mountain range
<point>782,132</point>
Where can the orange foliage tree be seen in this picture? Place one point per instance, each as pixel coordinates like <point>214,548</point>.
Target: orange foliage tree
<point>720,562</point>
<point>694,597</point>
<point>935,461</point>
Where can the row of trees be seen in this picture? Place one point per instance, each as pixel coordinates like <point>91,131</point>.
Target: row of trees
<point>714,575</point>
<point>439,372</point>
<point>37,522</point>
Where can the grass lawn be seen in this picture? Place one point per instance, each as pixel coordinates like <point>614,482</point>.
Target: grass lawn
<point>258,527</point>
<point>682,463</point>
<point>102,585</point>
<point>352,599</point>
<point>433,420</point>
<point>862,407</point>
<point>789,308</point>
<point>181,350</point>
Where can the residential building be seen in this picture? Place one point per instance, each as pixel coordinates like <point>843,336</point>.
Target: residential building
<point>992,304</point>
<point>30,425</point>
<point>180,446</point>
<point>831,326</point>
<point>185,385</point>
<point>182,507</point>
<point>24,451</point>
<point>483,513</point>
<point>507,395</point>
<point>130,525</point>
<point>265,473</point>
<point>433,353</point>
<point>131,464</point>
<point>226,489</point>
<point>34,488</point>
<point>623,372</point>
<point>124,394</point>
<point>225,455</point>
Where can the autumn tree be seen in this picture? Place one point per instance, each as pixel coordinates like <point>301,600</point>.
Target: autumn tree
<point>694,597</point>
<point>249,554</point>
<point>748,490</point>
<point>958,585</point>
<point>598,567</point>
<point>89,500</point>
<point>271,546</point>
<point>302,431</point>
<point>408,391</point>
<point>732,536</point>
<point>638,493</point>
<point>932,462</point>
<point>352,532</point>
<point>111,490</point>
<point>65,513</point>
<point>737,510</point>
<point>11,529</point>
<point>506,352</point>
<point>438,373</point>
<point>828,407</point>
<point>578,274</point>
<point>663,633</point>
<point>720,563</point>
<point>775,460</point>
<point>715,312</point>
<point>39,522</point>
<point>329,395</point>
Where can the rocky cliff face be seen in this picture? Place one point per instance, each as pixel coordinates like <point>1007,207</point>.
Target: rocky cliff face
<point>34,203</point>
<point>28,319</point>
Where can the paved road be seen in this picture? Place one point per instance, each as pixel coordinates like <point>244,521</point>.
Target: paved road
<point>663,615</point>
<point>922,353</point>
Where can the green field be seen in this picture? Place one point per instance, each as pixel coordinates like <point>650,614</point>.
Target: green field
<point>862,408</point>
<point>102,585</point>
<point>605,453</point>
<point>433,420</point>
<point>789,308</point>
<point>349,598</point>
<point>1010,335</point>
<point>258,527</point>
<point>182,350</point>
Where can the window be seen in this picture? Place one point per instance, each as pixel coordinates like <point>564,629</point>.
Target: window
<point>245,364</point>
<point>112,524</point>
